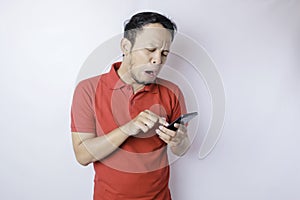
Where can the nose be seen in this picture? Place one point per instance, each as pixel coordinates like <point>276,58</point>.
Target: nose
<point>156,58</point>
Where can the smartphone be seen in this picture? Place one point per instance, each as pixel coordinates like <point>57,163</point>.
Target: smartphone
<point>182,120</point>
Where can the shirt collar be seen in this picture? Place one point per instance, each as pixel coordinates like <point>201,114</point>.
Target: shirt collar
<point>114,82</point>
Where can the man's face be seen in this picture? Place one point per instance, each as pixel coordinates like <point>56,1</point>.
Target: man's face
<point>149,53</point>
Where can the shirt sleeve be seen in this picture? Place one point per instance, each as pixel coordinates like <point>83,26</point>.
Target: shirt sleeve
<point>82,109</point>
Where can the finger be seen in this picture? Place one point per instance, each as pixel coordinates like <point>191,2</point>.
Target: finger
<point>162,121</point>
<point>167,131</point>
<point>172,141</point>
<point>142,126</point>
<point>154,117</point>
<point>182,128</point>
<point>167,142</point>
<point>146,121</point>
<point>177,125</point>
<point>150,115</point>
<point>149,112</point>
<point>166,138</point>
<point>182,131</point>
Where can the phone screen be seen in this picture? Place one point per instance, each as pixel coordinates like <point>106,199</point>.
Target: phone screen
<point>182,120</point>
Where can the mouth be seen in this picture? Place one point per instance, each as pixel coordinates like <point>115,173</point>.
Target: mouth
<point>151,73</point>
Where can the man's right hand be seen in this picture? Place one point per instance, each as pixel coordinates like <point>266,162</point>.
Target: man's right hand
<point>144,121</point>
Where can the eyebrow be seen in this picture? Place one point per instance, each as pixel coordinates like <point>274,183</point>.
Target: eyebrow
<point>153,47</point>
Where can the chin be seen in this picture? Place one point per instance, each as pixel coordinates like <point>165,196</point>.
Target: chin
<point>146,82</point>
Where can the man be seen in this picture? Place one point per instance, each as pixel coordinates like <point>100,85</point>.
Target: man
<point>119,118</point>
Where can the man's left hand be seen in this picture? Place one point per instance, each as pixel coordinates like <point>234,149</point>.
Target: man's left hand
<point>173,138</point>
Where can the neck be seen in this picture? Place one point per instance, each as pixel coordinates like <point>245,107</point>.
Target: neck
<point>125,76</point>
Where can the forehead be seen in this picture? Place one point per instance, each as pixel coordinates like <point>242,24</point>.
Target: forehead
<point>153,34</point>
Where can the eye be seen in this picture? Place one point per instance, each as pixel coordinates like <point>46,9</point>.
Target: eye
<point>151,49</point>
<point>165,53</point>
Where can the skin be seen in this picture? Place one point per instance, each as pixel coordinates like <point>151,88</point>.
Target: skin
<point>141,65</point>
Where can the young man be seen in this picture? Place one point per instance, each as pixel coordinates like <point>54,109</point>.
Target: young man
<point>119,118</point>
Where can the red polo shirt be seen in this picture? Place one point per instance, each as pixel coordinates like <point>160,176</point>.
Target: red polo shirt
<point>139,168</point>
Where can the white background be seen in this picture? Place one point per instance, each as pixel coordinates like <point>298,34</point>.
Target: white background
<point>255,45</point>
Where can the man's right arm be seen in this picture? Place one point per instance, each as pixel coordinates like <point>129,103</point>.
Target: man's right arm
<point>89,147</point>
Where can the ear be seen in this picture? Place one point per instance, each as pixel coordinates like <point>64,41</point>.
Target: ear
<point>125,46</point>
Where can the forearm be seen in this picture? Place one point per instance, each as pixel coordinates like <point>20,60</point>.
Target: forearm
<point>96,148</point>
<point>182,147</point>
<point>90,148</point>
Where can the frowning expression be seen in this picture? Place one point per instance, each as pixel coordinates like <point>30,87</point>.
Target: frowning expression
<point>149,53</point>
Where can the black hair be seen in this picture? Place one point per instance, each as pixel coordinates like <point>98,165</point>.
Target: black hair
<point>141,19</point>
